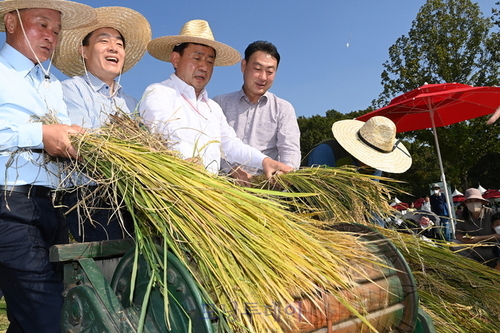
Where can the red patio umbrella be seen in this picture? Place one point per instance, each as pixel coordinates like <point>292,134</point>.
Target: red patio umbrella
<point>437,105</point>
<point>491,194</point>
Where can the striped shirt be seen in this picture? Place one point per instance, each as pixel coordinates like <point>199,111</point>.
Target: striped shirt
<point>89,105</point>
<point>270,126</point>
<point>89,102</point>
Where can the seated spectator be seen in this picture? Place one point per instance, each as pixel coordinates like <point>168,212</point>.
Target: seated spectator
<point>428,228</point>
<point>474,226</point>
<point>427,204</point>
<point>411,207</point>
<point>423,223</point>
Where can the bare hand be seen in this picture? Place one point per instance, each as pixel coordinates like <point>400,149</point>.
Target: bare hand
<point>476,239</point>
<point>242,177</point>
<point>473,240</point>
<point>196,160</point>
<point>272,167</point>
<point>494,117</point>
<point>56,139</point>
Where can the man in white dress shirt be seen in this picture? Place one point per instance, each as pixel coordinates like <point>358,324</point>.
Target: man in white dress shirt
<point>180,110</point>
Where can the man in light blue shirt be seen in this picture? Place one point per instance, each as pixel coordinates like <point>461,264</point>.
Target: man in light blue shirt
<point>95,56</point>
<point>90,103</point>
<point>29,222</point>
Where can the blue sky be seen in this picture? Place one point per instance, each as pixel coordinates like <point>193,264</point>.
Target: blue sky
<point>332,51</point>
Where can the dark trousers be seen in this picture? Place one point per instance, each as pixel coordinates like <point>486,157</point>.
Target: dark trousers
<point>31,284</point>
<point>94,219</point>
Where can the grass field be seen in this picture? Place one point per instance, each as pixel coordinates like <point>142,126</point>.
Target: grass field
<point>3,316</point>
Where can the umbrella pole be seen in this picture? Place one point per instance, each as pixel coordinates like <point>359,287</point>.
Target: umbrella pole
<point>443,178</point>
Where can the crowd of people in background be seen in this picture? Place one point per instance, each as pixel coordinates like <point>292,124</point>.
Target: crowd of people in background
<point>476,221</point>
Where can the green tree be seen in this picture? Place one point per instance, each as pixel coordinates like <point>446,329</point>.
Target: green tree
<point>318,128</point>
<point>450,41</point>
<point>447,43</point>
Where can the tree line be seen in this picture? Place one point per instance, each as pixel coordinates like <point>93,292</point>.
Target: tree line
<point>449,41</point>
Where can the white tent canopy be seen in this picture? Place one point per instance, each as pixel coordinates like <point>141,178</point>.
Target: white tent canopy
<point>395,202</point>
<point>481,189</point>
<point>456,192</point>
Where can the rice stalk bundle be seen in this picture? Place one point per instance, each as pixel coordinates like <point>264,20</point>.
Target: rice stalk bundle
<point>342,194</point>
<point>246,249</point>
<point>460,294</point>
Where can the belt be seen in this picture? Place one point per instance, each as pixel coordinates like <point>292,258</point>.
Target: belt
<point>28,190</point>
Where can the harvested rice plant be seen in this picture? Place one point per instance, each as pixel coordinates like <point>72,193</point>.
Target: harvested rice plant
<point>274,244</point>
<point>243,246</point>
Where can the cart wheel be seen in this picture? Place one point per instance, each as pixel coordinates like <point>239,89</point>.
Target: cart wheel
<point>186,307</point>
<point>387,250</point>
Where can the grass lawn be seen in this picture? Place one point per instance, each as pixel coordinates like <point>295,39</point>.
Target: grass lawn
<point>3,316</point>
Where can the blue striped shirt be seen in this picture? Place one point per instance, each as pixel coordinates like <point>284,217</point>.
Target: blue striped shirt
<point>89,105</point>
<point>21,102</point>
<point>89,102</point>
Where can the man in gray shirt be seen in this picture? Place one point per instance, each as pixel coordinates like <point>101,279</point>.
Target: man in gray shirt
<point>260,118</point>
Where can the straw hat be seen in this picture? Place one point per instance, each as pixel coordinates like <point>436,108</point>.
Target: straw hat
<point>132,25</point>
<point>373,143</point>
<point>73,14</point>
<point>474,193</point>
<point>195,31</point>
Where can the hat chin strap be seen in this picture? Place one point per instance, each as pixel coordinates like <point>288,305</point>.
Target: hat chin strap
<point>46,72</point>
<point>113,90</point>
<point>369,144</point>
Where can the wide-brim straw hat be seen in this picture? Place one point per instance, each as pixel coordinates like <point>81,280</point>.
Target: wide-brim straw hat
<point>73,14</point>
<point>133,26</point>
<point>195,31</point>
<point>474,193</point>
<point>373,143</point>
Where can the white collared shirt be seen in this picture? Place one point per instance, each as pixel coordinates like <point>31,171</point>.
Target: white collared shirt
<point>194,126</point>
